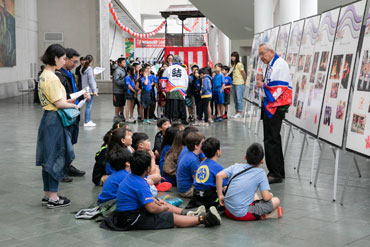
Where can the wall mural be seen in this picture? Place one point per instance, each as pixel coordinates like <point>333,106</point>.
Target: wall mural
<point>7,33</point>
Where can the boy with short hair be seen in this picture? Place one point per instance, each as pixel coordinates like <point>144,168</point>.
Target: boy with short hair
<point>138,210</point>
<point>119,89</point>
<point>241,200</point>
<point>205,178</point>
<point>228,86</point>
<point>140,142</point>
<point>188,164</point>
<point>163,124</point>
<point>218,91</point>
<point>120,162</point>
<point>206,94</point>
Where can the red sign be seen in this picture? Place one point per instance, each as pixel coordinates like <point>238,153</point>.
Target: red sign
<point>189,55</point>
<point>150,43</point>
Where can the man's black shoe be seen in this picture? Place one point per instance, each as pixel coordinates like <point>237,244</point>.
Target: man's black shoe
<point>74,172</point>
<point>274,180</point>
<point>66,179</point>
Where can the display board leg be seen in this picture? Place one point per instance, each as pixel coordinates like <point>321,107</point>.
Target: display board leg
<point>302,149</point>
<point>336,174</point>
<point>287,140</point>
<point>319,164</point>
<point>357,167</point>
<point>251,117</point>
<point>245,112</point>
<point>285,126</point>
<point>315,144</point>
<point>258,116</point>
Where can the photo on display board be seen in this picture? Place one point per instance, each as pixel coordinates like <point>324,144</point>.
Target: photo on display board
<point>335,69</point>
<point>310,96</point>
<point>327,115</point>
<point>369,108</point>
<point>346,70</point>
<point>301,63</point>
<point>294,59</point>
<point>334,90</point>
<point>307,64</point>
<point>340,110</point>
<point>295,100</point>
<point>363,82</point>
<point>299,109</point>
<point>324,61</point>
<point>304,82</point>
<point>364,85</point>
<point>358,123</point>
<point>314,67</point>
<point>289,58</point>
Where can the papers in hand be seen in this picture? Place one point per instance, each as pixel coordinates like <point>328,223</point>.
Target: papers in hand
<point>79,93</point>
<point>98,70</point>
<point>81,103</point>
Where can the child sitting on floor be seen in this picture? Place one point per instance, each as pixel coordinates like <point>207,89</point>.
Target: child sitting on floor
<point>240,198</point>
<point>188,164</point>
<point>163,124</point>
<point>120,161</point>
<point>138,210</point>
<point>205,179</point>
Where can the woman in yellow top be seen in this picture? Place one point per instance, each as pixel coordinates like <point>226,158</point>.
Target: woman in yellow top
<point>54,150</point>
<point>239,82</point>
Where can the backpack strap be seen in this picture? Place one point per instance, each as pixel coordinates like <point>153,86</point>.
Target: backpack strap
<point>231,179</point>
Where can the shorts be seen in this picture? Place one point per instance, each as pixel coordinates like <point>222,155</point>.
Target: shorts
<point>129,96</point>
<point>256,209</point>
<point>146,99</point>
<point>218,97</point>
<point>119,100</point>
<point>227,99</point>
<point>188,194</point>
<point>148,221</point>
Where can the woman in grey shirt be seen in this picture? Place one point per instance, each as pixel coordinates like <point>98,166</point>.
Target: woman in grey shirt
<point>88,80</point>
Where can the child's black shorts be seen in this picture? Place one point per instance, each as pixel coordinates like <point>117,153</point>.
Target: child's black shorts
<point>119,100</point>
<point>148,221</point>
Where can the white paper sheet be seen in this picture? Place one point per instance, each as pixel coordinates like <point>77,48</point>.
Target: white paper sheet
<point>98,70</point>
<point>79,93</point>
<point>81,103</point>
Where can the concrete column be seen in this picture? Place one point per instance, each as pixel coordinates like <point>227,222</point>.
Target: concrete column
<point>263,14</point>
<point>102,39</point>
<point>223,48</point>
<point>213,42</point>
<point>308,8</point>
<point>289,10</point>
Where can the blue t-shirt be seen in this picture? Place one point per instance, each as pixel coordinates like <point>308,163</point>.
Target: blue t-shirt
<point>161,160</point>
<point>147,87</point>
<point>228,81</point>
<point>242,189</point>
<point>133,193</point>
<point>108,168</point>
<point>187,166</point>
<point>129,81</point>
<point>218,80</point>
<point>205,178</point>
<point>111,185</point>
<point>185,150</point>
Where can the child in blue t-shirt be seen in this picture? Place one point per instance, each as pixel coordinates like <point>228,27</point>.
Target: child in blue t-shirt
<point>120,161</point>
<point>188,164</point>
<point>137,209</point>
<point>228,86</point>
<point>241,200</point>
<point>218,91</point>
<point>130,94</point>
<point>205,178</point>
<point>147,82</point>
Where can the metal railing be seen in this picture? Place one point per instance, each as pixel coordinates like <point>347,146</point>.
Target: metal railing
<point>188,40</point>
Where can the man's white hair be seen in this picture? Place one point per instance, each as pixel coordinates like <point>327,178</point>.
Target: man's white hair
<point>268,46</point>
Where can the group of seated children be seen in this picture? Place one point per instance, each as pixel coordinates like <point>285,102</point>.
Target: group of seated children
<point>190,162</point>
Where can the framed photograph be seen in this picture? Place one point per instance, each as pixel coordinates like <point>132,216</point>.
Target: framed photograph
<point>307,64</point>
<point>340,110</point>
<point>324,61</point>
<point>346,70</point>
<point>295,100</point>
<point>301,63</point>
<point>314,67</point>
<point>336,67</point>
<point>358,123</point>
<point>299,109</point>
<point>327,115</point>
<point>334,90</point>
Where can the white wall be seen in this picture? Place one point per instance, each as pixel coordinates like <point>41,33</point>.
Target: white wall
<point>76,19</point>
<point>26,49</point>
<point>118,42</point>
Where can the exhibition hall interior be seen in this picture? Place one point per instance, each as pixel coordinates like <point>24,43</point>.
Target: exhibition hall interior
<point>185,122</point>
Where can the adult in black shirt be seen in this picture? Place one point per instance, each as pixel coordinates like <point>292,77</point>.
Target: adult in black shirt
<point>78,73</point>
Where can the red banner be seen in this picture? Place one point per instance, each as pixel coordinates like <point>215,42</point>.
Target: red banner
<point>189,55</point>
<point>150,43</point>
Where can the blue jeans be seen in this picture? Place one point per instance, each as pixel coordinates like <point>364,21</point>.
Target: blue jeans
<point>238,92</point>
<point>88,109</point>
<point>50,184</point>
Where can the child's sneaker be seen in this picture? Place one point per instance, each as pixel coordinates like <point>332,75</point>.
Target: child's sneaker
<point>44,201</point>
<point>276,214</point>
<point>61,202</point>
<point>199,211</point>
<point>212,218</point>
<point>224,116</point>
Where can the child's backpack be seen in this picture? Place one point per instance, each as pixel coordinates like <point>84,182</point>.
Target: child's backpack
<point>99,167</point>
